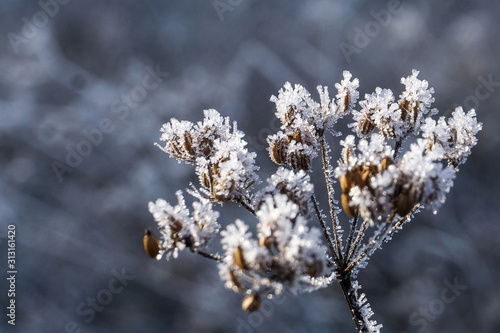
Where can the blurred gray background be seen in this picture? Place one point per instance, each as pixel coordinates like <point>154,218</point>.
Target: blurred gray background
<point>72,68</point>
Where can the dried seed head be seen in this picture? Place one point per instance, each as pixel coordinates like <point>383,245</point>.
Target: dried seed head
<point>238,259</point>
<point>251,303</point>
<point>151,244</point>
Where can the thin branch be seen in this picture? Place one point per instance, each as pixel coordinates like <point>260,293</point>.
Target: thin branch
<point>397,147</point>
<point>400,222</point>
<point>331,201</point>
<point>246,205</point>
<point>328,237</point>
<point>374,240</point>
<point>351,236</point>
<point>215,257</point>
<point>359,238</point>
<point>382,236</point>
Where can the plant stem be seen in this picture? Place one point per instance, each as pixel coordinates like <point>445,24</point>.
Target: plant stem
<point>215,257</point>
<point>328,237</point>
<point>247,206</point>
<point>350,296</point>
<point>327,169</point>
<point>359,237</point>
<point>351,236</point>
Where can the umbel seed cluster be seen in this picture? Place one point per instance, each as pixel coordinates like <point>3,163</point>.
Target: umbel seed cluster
<point>294,246</point>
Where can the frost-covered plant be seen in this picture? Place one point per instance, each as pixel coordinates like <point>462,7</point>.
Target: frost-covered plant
<point>381,188</point>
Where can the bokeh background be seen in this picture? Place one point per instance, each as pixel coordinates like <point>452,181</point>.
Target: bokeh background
<point>69,67</point>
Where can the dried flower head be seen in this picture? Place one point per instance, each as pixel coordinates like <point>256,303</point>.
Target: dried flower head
<point>287,254</point>
<point>456,137</point>
<point>224,166</point>
<point>296,186</point>
<point>179,229</point>
<point>295,150</point>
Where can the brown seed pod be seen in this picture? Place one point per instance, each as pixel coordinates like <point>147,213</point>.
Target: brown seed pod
<point>177,150</point>
<point>251,303</point>
<point>238,258</point>
<point>404,204</point>
<point>347,152</point>
<point>278,152</point>
<point>365,125</point>
<point>304,161</point>
<point>344,104</point>
<point>151,244</point>
<point>175,226</point>
<point>290,115</point>
<point>350,211</point>
<point>345,183</point>
<point>365,177</point>
<point>205,146</point>
<point>265,241</point>
<point>188,144</point>
<point>404,106</point>
<point>205,180</point>
<point>300,161</point>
